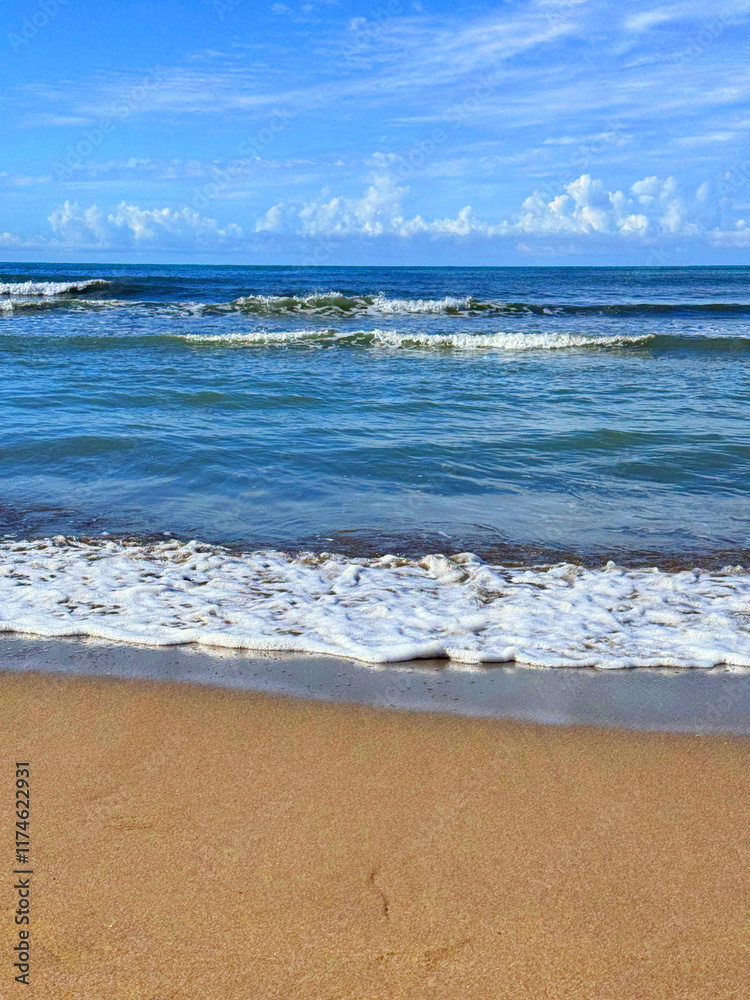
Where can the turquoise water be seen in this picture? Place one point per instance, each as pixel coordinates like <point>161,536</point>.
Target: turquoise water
<point>590,412</point>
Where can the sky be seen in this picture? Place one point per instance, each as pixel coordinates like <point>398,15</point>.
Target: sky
<point>535,132</point>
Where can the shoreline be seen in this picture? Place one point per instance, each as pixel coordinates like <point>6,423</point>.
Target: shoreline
<point>194,841</point>
<point>26,525</point>
<point>646,699</point>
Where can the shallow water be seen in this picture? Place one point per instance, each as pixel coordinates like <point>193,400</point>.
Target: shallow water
<point>526,415</point>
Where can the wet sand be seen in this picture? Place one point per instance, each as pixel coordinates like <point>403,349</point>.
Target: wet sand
<point>192,842</point>
<point>664,699</point>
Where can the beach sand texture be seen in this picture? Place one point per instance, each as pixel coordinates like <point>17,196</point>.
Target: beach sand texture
<point>196,843</point>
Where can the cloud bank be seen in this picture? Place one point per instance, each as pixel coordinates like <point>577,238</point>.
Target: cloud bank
<point>651,209</point>
<point>650,212</point>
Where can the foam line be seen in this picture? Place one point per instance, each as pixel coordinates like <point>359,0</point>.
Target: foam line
<point>376,610</point>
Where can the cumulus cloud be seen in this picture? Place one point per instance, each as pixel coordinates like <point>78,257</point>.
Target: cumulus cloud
<point>10,240</point>
<point>738,237</point>
<point>130,225</point>
<point>650,209</point>
<point>72,224</point>
<point>378,212</point>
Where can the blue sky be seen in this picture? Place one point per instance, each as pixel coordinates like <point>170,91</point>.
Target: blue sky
<point>406,131</point>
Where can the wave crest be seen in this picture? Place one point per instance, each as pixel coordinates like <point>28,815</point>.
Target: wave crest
<point>41,304</point>
<point>50,288</point>
<point>338,304</point>
<point>397,339</point>
<point>335,303</point>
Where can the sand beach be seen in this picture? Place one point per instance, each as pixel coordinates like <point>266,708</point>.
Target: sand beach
<point>190,842</point>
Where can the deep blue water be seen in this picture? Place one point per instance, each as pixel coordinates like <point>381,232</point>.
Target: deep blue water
<point>587,411</point>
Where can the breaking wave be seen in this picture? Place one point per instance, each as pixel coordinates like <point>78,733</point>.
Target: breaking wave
<point>38,295</point>
<point>50,288</point>
<point>395,338</point>
<point>338,304</point>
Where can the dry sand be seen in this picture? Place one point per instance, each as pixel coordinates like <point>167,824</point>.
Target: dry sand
<point>197,843</point>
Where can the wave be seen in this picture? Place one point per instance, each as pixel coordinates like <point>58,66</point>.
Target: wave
<point>319,304</point>
<point>337,304</point>
<point>22,296</point>
<point>398,339</point>
<point>616,308</point>
<point>330,305</point>
<point>13,305</point>
<point>377,610</point>
<point>50,288</point>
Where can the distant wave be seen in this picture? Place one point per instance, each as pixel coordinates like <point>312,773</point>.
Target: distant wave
<point>318,304</point>
<point>50,288</point>
<point>12,305</point>
<point>377,610</point>
<point>30,295</point>
<point>338,304</point>
<point>614,308</point>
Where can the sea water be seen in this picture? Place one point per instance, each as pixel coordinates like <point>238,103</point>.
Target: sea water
<point>546,465</point>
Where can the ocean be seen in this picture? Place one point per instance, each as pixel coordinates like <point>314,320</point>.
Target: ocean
<point>547,466</point>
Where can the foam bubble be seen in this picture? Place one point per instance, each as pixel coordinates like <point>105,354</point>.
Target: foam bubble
<point>376,610</point>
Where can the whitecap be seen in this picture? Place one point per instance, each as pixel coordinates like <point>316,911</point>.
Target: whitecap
<point>50,288</point>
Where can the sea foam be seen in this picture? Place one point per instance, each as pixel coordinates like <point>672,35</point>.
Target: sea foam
<point>376,610</point>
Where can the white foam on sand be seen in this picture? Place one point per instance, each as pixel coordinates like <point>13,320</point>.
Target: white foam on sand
<point>377,610</point>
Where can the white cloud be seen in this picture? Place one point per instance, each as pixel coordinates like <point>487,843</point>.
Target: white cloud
<point>378,212</point>
<point>652,209</point>
<point>584,206</point>
<point>131,225</point>
<point>584,212</point>
<point>398,51</point>
<point>79,226</point>
<point>696,11</point>
<point>739,237</point>
<point>10,240</point>
<point>483,74</point>
<point>46,120</point>
<point>650,19</point>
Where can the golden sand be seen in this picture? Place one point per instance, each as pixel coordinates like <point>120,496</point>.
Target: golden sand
<point>197,843</point>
